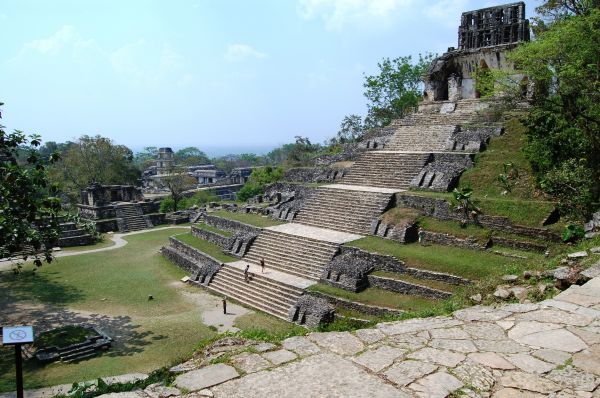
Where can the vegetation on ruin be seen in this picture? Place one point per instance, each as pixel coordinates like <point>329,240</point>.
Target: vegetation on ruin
<point>563,141</point>
<point>28,201</point>
<point>199,199</point>
<point>93,159</point>
<point>258,180</point>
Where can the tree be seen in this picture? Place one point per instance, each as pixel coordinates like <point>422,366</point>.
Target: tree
<point>396,90</point>
<point>177,181</point>
<point>191,156</point>
<point>258,180</point>
<point>146,157</point>
<point>28,202</point>
<point>94,159</point>
<point>351,130</point>
<point>564,123</point>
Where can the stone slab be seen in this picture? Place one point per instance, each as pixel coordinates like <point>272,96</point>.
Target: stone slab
<point>301,346</point>
<point>307,231</point>
<point>342,343</point>
<point>272,274</point>
<point>250,363</point>
<point>325,375</point>
<point>280,356</point>
<point>380,358</point>
<point>406,372</point>
<point>436,385</point>
<point>206,377</point>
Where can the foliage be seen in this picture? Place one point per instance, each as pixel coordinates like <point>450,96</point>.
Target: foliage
<point>190,156</point>
<point>146,157</point>
<point>465,204</point>
<point>507,178</point>
<point>396,90</point>
<point>229,162</point>
<point>88,226</point>
<point>177,181</point>
<point>199,199</point>
<point>572,232</point>
<point>258,180</point>
<point>564,124</point>
<point>351,129</point>
<point>28,202</point>
<point>94,159</point>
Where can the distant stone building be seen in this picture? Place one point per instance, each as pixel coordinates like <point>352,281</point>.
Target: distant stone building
<point>484,38</point>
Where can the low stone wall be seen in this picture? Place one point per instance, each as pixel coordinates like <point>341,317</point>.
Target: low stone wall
<point>225,242</point>
<point>110,225</point>
<point>96,213</point>
<point>352,305</point>
<point>451,240</point>
<point>312,174</point>
<point>229,225</point>
<point>402,287</point>
<point>156,218</point>
<point>311,311</point>
<point>442,172</point>
<point>77,240</point>
<point>443,210</point>
<point>200,265</point>
<point>436,276</point>
<point>516,244</point>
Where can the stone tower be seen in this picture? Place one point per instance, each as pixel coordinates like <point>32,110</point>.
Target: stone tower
<point>165,160</point>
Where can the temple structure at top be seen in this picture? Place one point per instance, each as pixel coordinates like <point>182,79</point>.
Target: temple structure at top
<point>484,38</point>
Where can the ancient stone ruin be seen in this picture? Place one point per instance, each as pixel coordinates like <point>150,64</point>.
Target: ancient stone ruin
<point>428,149</point>
<point>118,208</point>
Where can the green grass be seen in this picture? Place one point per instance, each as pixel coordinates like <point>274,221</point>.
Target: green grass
<point>378,297</point>
<point>115,285</point>
<point>252,219</point>
<point>104,242</point>
<point>63,336</point>
<point>455,228</point>
<point>259,323</point>
<point>210,228</point>
<point>471,264</point>
<point>209,248</point>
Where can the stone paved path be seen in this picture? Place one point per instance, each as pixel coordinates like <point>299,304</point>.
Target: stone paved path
<point>549,349</point>
<point>515,350</point>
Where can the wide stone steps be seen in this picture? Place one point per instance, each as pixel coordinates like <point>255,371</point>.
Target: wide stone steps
<point>386,169</point>
<point>267,295</point>
<point>420,138</point>
<point>343,210</point>
<point>132,218</point>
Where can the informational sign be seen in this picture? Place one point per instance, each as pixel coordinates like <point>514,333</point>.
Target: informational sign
<point>17,335</point>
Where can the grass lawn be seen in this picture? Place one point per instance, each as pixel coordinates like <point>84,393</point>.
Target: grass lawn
<point>379,297</point>
<point>209,248</point>
<point>105,242</point>
<point>471,264</point>
<point>210,228</point>
<point>114,285</point>
<point>252,219</point>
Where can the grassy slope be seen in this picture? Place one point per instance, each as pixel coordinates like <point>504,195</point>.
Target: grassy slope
<point>252,219</point>
<point>524,205</point>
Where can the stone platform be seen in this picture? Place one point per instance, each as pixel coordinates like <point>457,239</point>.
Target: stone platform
<point>307,231</point>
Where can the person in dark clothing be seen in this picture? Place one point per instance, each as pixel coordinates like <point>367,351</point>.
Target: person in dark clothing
<point>262,265</point>
<point>246,273</point>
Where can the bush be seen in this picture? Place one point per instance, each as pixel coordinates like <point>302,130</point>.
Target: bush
<point>259,179</point>
<point>199,199</point>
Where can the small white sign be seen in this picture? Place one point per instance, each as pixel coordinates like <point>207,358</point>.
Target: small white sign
<point>17,335</point>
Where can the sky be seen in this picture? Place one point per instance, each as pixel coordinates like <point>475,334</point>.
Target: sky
<point>223,75</point>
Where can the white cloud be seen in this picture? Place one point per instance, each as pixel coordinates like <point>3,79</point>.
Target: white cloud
<point>143,63</point>
<point>239,52</point>
<point>445,11</point>
<point>56,42</point>
<point>338,13</point>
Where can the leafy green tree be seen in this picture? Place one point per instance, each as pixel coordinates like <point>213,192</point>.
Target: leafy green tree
<point>177,181</point>
<point>351,129</point>
<point>191,156</point>
<point>146,157</point>
<point>94,159</point>
<point>396,90</point>
<point>564,124</point>
<point>28,202</point>
<point>258,180</point>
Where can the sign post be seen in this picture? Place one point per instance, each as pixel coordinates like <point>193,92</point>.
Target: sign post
<point>17,336</point>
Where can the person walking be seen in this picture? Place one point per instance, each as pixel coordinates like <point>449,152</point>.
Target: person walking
<point>246,273</point>
<point>262,265</point>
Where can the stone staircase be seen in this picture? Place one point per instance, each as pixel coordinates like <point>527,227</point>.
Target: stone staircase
<point>72,235</point>
<point>291,254</point>
<point>420,138</point>
<point>344,210</point>
<point>262,291</point>
<point>443,113</point>
<point>132,218</point>
<point>385,169</point>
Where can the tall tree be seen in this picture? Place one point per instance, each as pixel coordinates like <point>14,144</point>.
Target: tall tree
<point>28,205</point>
<point>146,157</point>
<point>191,156</point>
<point>177,181</point>
<point>94,159</point>
<point>396,90</point>
<point>351,130</point>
